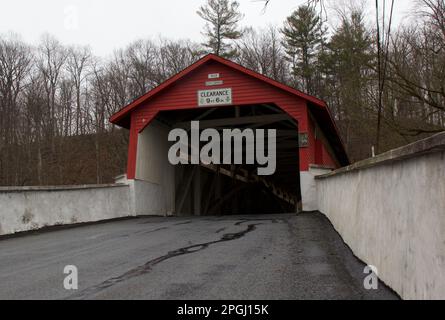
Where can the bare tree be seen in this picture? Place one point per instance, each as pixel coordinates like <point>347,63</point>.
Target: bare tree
<point>78,64</point>
<point>52,56</point>
<point>262,51</point>
<point>15,61</point>
<point>416,74</point>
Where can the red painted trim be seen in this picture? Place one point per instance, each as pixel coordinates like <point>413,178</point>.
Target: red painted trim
<point>115,118</point>
<point>140,113</point>
<point>132,151</point>
<point>121,113</point>
<point>270,81</point>
<point>148,121</point>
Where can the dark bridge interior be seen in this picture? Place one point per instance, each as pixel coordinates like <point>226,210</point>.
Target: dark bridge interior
<point>224,189</point>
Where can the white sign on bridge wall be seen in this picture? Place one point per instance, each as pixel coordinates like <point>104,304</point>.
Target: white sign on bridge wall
<point>214,97</point>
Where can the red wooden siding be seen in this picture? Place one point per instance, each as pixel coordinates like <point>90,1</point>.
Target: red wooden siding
<point>245,91</point>
<point>320,155</point>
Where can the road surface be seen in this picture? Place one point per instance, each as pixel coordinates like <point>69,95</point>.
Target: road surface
<point>232,257</point>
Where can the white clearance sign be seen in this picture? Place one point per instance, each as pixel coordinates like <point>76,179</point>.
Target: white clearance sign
<point>214,97</point>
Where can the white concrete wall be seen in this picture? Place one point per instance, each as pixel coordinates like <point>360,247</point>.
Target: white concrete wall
<point>154,185</point>
<point>30,208</point>
<point>150,199</point>
<point>392,216</point>
<point>308,187</point>
<point>151,193</point>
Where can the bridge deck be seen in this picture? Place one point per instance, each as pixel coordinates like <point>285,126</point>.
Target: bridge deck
<point>231,257</point>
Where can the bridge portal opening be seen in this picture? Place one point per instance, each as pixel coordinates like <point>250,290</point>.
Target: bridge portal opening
<point>225,188</point>
<point>224,95</point>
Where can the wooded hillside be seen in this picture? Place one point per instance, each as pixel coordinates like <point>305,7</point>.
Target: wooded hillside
<point>55,100</point>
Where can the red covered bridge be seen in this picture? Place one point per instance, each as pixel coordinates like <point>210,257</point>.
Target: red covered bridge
<point>307,138</point>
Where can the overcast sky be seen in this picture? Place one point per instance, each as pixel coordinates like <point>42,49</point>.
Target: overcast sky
<point>106,25</point>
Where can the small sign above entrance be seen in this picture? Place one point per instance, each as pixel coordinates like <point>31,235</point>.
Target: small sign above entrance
<point>214,83</point>
<point>214,97</point>
<point>213,75</point>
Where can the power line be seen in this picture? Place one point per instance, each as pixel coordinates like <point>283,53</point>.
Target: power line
<point>382,73</point>
<point>379,68</point>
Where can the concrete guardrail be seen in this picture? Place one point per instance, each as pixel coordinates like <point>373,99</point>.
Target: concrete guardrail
<point>390,210</point>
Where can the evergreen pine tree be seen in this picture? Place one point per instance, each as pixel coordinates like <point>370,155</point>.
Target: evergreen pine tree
<point>222,19</point>
<point>304,35</point>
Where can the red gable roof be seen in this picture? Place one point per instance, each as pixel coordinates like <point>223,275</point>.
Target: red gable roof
<point>122,117</point>
<point>118,116</point>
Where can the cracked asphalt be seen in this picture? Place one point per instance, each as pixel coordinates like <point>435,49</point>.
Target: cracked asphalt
<point>284,256</point>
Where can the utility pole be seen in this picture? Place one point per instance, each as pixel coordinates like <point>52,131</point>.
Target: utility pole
<point>381,64</point>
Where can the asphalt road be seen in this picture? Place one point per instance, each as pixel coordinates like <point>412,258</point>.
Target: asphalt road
<point>233,257</point>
